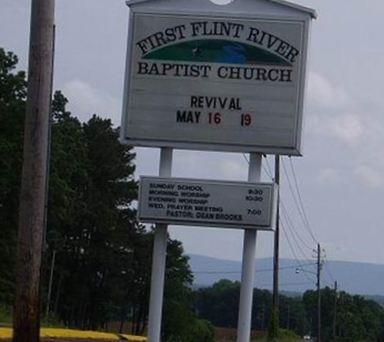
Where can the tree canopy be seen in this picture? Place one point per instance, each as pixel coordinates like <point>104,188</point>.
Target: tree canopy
<point>12,109</point>
<point>101,270</point>
<point>357,319</point>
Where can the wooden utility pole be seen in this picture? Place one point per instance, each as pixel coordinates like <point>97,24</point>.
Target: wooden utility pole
<point>275,295</point>
<point>318,293</point>
<point>26,320</point>
<point>334,311</point>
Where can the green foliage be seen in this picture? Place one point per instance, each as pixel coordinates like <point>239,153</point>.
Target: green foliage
<point>357,319</point>
<point>102,255</point>
<point>51,322</point>
<point>91,223</point>
<point>293,315</point>
<point>219,303</point>
<point>12,108</point>
<point>202,330</point>
<point>273,327</point>
<point>5,314</point>
<point>287,334</point>
<point>179,321</point>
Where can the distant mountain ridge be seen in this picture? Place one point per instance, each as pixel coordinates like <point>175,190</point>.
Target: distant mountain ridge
<point>352,277</point>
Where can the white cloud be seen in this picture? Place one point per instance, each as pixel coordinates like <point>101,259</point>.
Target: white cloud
<point>328,175</point>
<point>210,165</point>
<point>85,100</point>
<point>333,112</point>
<point>344,126</point>
<point>348,128</point>
<point>232,168</point>
<point>369,176</point>
<point>16,5</point>
<point>323,93</point>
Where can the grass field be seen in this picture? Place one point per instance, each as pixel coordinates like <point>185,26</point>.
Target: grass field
<point>49,334</point>
<point>229,335</point>
<point>71,335</point>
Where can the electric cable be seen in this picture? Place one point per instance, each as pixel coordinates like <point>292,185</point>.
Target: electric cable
<point>294,239</point>
<point>256,271</point>
<point>289,221</point>
<point>294,253</point>
<point>299,202</point>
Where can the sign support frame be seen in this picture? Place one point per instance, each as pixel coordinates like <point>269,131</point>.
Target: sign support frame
<point>248,262</point>
<point>159,259</point>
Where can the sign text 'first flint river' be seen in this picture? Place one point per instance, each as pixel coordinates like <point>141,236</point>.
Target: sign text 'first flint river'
<point>206,203</point>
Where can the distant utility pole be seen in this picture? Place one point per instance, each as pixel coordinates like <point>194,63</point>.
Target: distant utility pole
<point>334,311</point>
<point>26,320</point>
<point>318,293</point>
<point>275,296</point>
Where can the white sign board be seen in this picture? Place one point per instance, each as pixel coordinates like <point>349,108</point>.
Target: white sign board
<point>210,81</point>
<point>207,203</point>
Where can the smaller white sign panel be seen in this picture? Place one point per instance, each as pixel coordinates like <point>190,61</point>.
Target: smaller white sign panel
<point>207,203</point>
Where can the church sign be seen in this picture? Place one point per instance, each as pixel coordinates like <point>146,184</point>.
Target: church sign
<point>215,82</point>
<point>205,76</point>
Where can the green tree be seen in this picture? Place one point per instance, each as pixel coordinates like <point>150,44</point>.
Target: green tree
<point>103,256</point>
<point>357,319</point>
<point>179,321</point>
<point>219,303</point>
<point>12,110</point>
<point>91,222</point>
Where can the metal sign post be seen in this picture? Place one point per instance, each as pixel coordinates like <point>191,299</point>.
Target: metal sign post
<point>248,267</point>
<point>159,259</point>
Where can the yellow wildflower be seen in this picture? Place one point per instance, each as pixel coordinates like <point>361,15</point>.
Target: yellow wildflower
<point>6,333</point>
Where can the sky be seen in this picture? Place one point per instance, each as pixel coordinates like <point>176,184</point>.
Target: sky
<point>341,174</point>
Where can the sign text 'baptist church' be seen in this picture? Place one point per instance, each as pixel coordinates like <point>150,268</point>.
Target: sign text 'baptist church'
<point>151,45</point>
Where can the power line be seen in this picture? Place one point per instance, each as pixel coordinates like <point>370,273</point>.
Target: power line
<point>328,270</point>
<point>288,284</point>
<point>299,208</point>
<point>268,171</point>
<point>289,221</point>
<point>308,225</point>
<point>298,192</point>
<point>300,199</point>
<point>257,271</point>
<point>294,239</point>
<point>294,253</point>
